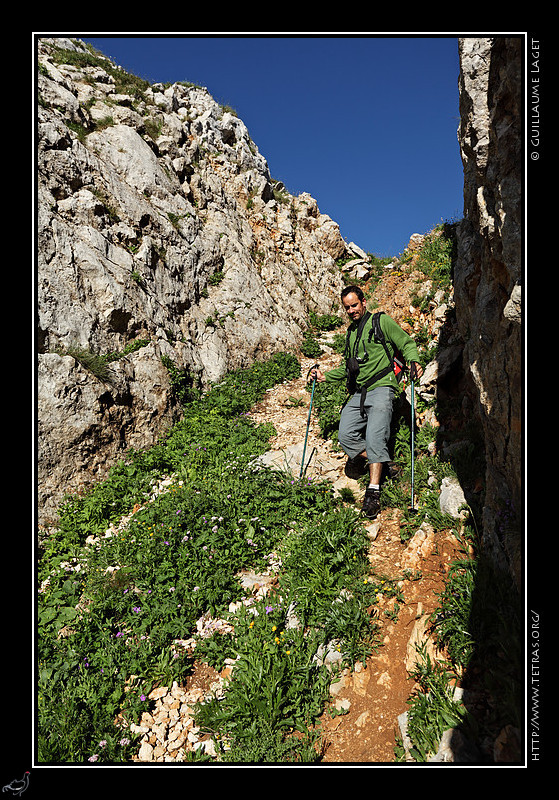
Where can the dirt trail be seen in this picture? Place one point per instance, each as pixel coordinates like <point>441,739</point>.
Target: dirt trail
<point>372,695</point>
<point>377,693</point>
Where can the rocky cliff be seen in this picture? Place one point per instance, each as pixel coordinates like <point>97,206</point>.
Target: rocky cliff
<point>163,241</point>
<point>488,273</point>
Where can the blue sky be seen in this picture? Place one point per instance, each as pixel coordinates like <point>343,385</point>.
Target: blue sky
<point>365,124</point>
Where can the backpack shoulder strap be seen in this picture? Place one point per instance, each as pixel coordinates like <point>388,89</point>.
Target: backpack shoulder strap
<point>376,330</point>
<point>396,356</point>
<point>379,335</point>
<point>359,329</point>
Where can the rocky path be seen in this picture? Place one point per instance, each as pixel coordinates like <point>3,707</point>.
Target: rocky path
<point>369,699</point>
<point>374,695</point>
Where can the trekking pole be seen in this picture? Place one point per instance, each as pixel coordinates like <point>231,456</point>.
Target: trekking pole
<point>315,367</point>
<point>412,376</point>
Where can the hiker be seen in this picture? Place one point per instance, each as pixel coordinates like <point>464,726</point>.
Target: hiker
<point>365,418</point>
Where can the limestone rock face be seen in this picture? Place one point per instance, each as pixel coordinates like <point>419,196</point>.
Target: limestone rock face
<point>488,273</point>
<point>158,223</point>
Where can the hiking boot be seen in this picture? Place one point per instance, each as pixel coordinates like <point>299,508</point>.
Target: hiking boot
<point>371,503</point>
<point>355,468</point>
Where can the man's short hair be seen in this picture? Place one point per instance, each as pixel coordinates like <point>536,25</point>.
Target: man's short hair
<point>353,290</point>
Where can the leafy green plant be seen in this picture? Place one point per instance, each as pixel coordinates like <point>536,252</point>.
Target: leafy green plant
<point>451,620</point>
<point>131,347</point>
<point>328,400</point>
<point>216,278</point>
<point>310,347</point>
<point>175,219</point>
<point>477,623</point>
<point>338,343</point>
<point>94,363</point>
<point>437,254</point>
<point>325,322</point>
<point>153,128</point>
<point>80,130</point>
<point>181,379</point>
<point>432,708</point>
<point>275,684</point>
<point>137,278</point>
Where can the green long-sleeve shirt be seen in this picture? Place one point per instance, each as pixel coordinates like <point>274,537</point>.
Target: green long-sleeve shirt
<point>378,359</point>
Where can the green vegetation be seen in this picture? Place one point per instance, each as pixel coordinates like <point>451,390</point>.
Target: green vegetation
<point>94,363</point>
<point>437,254</point>
<point>433,709</point>
<point>98,364</point>
<point>110,607</point>
<point>216,278</point>
<point>310,346</point>
<point>317,324</point>
<point>477,626</point>
<point>125,82</point>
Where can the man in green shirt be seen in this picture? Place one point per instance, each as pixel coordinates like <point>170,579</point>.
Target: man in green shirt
<point>365,418</point>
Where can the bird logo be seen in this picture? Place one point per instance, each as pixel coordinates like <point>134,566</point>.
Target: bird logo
<point>17,787</point>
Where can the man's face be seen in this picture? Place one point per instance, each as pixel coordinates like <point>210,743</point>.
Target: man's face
<point>354,307</point>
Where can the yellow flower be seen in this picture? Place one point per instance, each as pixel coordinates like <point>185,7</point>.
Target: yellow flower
<point>276,639</point>
<point>274,627</point>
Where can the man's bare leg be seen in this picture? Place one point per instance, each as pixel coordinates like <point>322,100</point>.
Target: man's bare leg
<point>375,471</point>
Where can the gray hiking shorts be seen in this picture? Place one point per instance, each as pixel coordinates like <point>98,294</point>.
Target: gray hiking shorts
<point>372,432</point>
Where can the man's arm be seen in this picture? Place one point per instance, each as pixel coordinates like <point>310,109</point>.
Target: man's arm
<point>332,376</point>
<point>403,342</point>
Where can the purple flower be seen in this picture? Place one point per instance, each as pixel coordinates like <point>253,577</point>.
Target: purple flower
<point>142,697</point>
